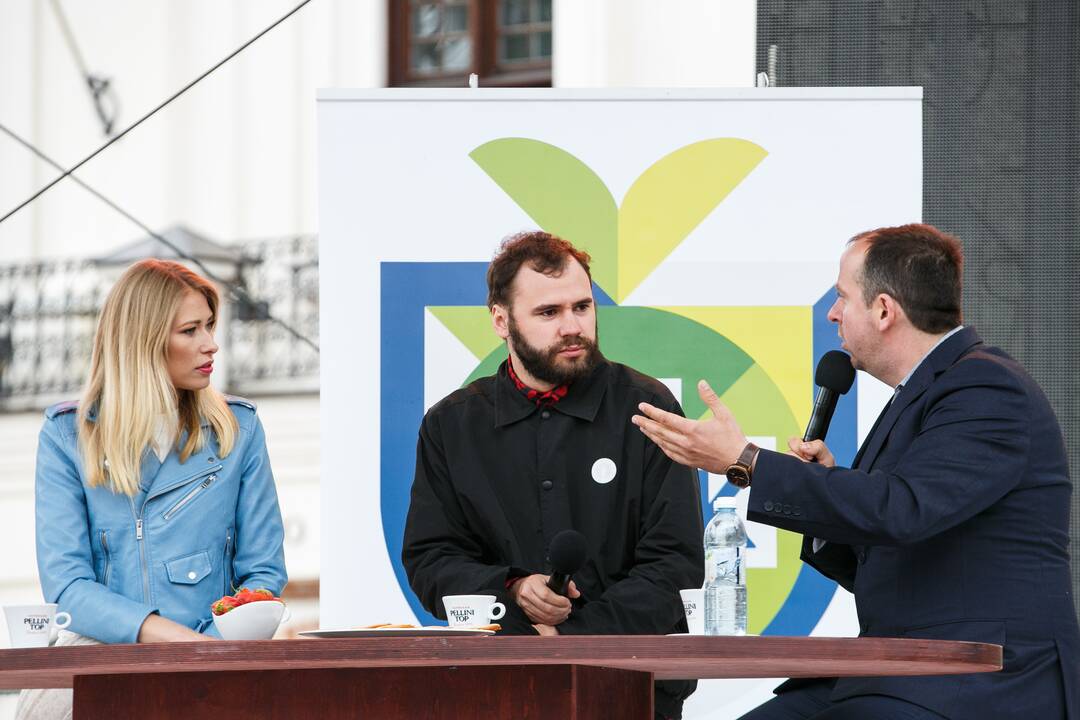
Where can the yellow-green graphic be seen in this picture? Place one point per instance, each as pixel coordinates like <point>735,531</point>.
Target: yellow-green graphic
<point>666,202</point>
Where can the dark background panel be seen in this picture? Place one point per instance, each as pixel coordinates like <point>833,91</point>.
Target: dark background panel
<point>1001,163</point>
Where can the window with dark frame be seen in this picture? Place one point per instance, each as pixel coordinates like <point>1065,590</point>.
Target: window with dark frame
<point>434,43</point>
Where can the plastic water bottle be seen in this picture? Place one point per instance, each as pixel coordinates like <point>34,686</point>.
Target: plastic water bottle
<point>725,574</point>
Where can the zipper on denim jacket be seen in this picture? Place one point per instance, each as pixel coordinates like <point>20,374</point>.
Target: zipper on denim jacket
<point>226,563</point>
<point>192,494</point>
<point>108,558</point>
<point>142,549</point>
<point>139,530</point>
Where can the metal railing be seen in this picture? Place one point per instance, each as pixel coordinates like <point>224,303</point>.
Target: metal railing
<point>48,312</point>
<point>264,357</point>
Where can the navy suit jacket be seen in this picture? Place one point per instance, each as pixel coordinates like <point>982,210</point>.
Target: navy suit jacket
<point>953,525</point>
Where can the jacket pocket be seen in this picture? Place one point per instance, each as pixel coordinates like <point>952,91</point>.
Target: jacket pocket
<point>190,495</point>
<point>189,569</point>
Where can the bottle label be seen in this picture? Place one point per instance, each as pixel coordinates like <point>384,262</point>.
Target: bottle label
<point>723,566</point>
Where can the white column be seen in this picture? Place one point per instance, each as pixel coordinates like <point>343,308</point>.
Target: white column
<point>20,73</point>
<point>654,43</point>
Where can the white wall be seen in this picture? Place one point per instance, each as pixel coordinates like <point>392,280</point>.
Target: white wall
<point>233,158</point>
<point>654,43</point>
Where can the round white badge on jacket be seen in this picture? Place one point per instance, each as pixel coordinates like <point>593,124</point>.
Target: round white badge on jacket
<point>603,470</point>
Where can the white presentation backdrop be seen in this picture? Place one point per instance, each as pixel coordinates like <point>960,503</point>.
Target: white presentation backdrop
<point>715,220</point>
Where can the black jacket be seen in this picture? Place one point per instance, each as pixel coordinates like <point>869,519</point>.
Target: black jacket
<point>497,478</point>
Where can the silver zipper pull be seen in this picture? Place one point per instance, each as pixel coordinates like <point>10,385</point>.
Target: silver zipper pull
<point>138,529</point>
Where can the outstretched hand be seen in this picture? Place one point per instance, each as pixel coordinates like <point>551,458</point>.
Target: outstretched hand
<point>711,444</point>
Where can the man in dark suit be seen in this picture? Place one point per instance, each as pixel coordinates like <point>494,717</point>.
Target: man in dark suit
<point>952,523</point>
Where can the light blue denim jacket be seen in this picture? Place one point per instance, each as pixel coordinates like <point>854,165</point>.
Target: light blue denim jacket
<point>193,532</point>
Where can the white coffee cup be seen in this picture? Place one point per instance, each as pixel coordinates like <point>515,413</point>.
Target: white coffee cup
<point>32,625</point>
<point>693,602</point>
<point>471,610</point>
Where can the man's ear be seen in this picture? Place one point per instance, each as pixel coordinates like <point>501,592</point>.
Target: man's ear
<point>888,312</point>
<point>500,321</point>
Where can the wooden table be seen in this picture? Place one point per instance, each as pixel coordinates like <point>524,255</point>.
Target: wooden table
<point>449,677</point>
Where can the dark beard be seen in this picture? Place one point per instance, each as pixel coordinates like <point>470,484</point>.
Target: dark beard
<point>544,364</point>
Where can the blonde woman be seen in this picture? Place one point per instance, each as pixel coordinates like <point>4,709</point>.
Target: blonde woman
<point>154,495</point>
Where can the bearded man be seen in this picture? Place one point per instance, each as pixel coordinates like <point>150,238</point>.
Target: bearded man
<point>545,445</point>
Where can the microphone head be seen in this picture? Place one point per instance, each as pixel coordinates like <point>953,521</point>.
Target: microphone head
<point>568,552</point>
<point>835,372</point>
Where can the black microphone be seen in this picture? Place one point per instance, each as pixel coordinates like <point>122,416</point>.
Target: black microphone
<point>567,553</point>
<point>834,376</point>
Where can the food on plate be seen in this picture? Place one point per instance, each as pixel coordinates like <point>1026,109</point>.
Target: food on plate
<point>243,596</point>
<point>494,627</point>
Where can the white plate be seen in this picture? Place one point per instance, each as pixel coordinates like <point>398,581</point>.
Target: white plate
<point>396,632</point>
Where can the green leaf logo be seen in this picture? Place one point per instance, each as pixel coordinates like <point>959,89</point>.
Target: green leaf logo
<point>565,197</point>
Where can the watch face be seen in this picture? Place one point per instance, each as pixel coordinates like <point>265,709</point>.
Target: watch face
<point>738,476</point>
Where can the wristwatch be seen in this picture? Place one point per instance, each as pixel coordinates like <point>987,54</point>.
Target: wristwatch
<point>739,472</point>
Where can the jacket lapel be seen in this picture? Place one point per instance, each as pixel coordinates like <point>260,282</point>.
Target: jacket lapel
<point>873,429</point>
<point>148,469</point>
<point>876,440</point>
<point>937,362</point>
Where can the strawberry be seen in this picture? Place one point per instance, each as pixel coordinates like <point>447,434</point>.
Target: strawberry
<point>244,596</point>
<point>224,605</point>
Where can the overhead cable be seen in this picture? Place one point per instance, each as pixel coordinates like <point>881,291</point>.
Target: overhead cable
<point>148,115</point>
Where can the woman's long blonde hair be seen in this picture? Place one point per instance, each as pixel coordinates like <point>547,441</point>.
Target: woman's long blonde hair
<point>128,387</point>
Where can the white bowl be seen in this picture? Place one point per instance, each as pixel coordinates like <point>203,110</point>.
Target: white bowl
<point>254,621</point>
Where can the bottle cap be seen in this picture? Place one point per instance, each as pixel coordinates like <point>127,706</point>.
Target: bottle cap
<point>723,501</point>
